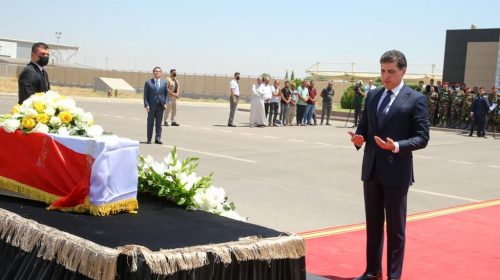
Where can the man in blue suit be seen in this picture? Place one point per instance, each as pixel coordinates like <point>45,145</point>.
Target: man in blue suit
<point>394,123</point>
<point>479,112</point>
<point>155,100</point>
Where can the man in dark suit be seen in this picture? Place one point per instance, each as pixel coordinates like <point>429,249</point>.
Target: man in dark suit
<point>155,100</point>
<point>33,77</point>
<point>394,123</point>
<point>479,111</point>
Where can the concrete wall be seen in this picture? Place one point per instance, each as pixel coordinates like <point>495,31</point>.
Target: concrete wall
<point>210,86</point>
<point>481,64</point>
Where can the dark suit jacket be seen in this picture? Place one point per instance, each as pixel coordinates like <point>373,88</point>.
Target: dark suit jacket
<point>31,81</point>
<point>480,106</point>
<point>407,122</point>
<point>154,98</point>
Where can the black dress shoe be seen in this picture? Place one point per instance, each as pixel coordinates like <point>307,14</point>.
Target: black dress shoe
<point>165,123</point>
<point>370,276</point>
<point>158,142</point>
<point>231,125</point>
<point>149,142</point>
<point>175,124</point>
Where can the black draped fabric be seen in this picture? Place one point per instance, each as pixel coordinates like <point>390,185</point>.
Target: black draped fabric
<point>16,264</point>
<point>286,269</point>
<point>158,225</point>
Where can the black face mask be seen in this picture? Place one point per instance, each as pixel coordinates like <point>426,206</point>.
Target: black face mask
<point>43,60</point>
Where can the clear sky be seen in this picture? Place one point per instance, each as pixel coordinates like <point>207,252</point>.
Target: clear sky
<point>252,37</point>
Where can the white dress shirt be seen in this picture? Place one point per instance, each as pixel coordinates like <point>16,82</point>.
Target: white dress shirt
<point>235,87</point>
<point>268,91</point>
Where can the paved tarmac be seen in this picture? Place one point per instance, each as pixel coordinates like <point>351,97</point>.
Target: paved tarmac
<point>300,179</point>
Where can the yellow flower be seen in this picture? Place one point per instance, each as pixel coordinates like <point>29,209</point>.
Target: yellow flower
<point>39,106</point>
<point>43,118</point>
<point>15,109</point>
<point>65,117</point>
<point>39,93</point>
<point>28,122</point>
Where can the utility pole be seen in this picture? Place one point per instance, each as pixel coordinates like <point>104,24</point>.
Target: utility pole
<point>57,53</point>
<point>58,36</point>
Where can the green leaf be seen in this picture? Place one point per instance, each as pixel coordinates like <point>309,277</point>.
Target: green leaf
<point>181,201</point>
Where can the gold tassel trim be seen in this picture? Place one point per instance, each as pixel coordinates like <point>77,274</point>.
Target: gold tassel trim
<point>167,262</point>
<point>127,205</point>
<point>70,251</point>
<point>28,191</point>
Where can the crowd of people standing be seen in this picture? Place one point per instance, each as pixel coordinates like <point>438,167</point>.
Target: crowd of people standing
<point>273,105</point>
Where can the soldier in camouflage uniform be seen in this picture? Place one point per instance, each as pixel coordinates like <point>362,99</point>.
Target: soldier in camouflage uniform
<point>492,98</point>
<point>467,107</point>
<point>457,106</point>
<point>445,100</point>
<point>433,102</point>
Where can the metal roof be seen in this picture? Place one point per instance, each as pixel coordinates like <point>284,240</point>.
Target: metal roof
<point>51,45</point>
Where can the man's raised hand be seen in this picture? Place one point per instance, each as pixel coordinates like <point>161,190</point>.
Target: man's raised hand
<point>385,145</point>
<point>357,139</point>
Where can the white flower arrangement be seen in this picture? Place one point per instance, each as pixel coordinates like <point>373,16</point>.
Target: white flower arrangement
<point>176,181</point>
<point>50,112</point>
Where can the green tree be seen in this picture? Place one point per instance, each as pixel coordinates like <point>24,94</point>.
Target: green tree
<point>265,75</point>
<point>347,98</point>
<point>292,76</point>
<point>286,75</point>
<point>297,82</point>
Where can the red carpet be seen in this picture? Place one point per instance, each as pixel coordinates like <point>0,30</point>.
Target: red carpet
<point>455,243</point>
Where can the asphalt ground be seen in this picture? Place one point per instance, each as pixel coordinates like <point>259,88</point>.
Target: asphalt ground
<point>300,179</point>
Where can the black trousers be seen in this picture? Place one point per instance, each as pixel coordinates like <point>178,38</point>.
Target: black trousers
<point>385,203</point>
<point>301,109</point>
<point>266,107</point>
<point>480,122</point>
<point>155,116</point>
<point>357,113</point>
